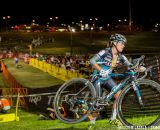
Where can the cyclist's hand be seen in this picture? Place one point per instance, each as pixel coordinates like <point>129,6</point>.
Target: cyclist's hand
<point>104,73</point>
<point>141,69</point>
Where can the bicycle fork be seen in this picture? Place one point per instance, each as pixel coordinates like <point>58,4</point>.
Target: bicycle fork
<point>136,89</point>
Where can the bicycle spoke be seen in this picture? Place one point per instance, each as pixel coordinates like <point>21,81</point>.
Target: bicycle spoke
<point>77,101</point>
<point>132,113</point>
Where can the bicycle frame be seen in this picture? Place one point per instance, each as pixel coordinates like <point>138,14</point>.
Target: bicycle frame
<point>130,77</point>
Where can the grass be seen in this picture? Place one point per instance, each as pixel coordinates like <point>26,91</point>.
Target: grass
<point>142,120</point>
<point>30,121</point>
<point>82,42</point>
<point>31,77</point>
<point>60,50</point>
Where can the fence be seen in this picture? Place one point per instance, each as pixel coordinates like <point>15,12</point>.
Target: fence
<point>55,71</point>
<point>15,87</point>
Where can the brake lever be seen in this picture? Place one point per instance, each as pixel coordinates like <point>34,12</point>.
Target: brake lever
<point>138,61</point>
<point>146,72</point>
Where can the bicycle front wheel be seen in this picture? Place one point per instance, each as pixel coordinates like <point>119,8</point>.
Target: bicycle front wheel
<point>76,97</point>
<point>131,113</point>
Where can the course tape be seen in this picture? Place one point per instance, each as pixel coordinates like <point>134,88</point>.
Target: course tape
<point>29,95</point>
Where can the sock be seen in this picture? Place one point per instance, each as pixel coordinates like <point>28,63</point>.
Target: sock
<point>93,120</point>
<point>114,114</point>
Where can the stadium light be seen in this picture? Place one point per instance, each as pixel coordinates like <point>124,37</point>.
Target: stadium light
<point>130,17</point>
<point>71,29</point>
<point>53,19</point>
<point>6,21</point>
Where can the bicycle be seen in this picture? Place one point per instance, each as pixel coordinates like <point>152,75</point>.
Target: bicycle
<point>138,105</point>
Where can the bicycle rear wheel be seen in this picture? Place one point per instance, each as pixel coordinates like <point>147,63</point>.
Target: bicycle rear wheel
<point>131,114</point>
<point>77,97</point>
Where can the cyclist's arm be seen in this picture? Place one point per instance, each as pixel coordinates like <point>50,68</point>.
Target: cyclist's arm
<point>97,67</point>
<point>98,57</point>
<point>93,62</point>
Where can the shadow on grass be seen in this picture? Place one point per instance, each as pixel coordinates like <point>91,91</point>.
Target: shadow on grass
<point>96,128</point>
<point>70,128</point>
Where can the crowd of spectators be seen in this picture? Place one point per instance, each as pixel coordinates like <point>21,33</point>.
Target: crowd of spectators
<point>75,63</point>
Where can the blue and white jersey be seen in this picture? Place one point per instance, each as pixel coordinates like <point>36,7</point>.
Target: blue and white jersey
<point>106,56</point>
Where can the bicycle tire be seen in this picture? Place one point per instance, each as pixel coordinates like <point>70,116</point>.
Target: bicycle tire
<point>129,111</point>
<point>68,94</point>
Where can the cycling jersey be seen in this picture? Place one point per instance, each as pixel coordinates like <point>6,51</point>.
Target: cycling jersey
<point>106,56</point>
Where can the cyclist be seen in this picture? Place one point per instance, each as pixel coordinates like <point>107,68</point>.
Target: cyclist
<point>112,57</point>
<point>16,60</point>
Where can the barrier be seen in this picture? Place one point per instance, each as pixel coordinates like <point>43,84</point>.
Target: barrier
<point>15,87</point>
<point>55,71</point>
<point>11,116</point>
<point>37,101</point>
<point>8,117</point>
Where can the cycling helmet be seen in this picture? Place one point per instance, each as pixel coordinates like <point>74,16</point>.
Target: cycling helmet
<point>117,38</point>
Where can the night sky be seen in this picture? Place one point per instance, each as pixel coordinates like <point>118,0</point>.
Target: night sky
<point>145,12</point>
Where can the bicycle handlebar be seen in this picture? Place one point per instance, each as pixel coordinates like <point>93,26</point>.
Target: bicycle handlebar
<point>138,61</point>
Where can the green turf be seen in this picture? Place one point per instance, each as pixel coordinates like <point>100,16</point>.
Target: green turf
<point>82,42</point>
<point>30,121</point>
<point>31,77</point>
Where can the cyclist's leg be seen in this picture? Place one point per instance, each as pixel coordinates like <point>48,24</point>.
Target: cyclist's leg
<point>109,84</point>
<point>114,111</point>
<point>92,118</point>
<point>98,88</point>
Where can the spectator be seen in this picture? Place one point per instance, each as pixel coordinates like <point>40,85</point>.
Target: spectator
<point>4,105</point>
<point>51,114</point>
